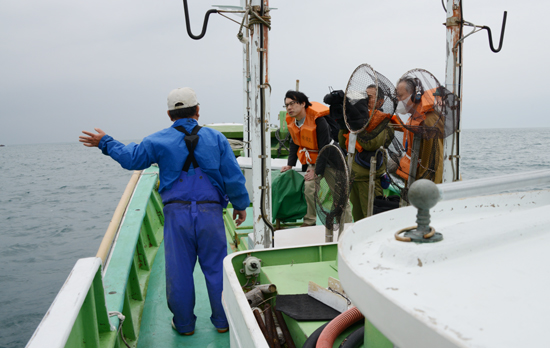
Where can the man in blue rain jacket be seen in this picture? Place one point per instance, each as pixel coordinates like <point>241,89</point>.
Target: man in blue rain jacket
<point>198,176</point>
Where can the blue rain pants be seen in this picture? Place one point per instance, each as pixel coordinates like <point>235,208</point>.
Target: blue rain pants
<point>193,230</point>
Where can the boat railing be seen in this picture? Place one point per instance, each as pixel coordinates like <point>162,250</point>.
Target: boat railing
<point>101,303</point>
<point>491,185</point>
<point>424,195</point>
<point>112,229</point>
<point>80,299</point>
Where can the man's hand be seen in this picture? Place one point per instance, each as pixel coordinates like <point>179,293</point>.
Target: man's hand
<point>241,214</point>
<point>93,139</point>
<point>310,174</point>
<point>285,168</point>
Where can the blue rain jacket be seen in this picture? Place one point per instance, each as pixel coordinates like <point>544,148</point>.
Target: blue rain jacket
<point>167,148</point>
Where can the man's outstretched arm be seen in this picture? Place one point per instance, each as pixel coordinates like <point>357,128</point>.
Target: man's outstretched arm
<point>131,156</point>
<point>92,140</point>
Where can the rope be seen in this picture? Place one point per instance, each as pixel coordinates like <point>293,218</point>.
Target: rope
<point>121,317</point>
<point>265,19</point>
<point>308,157</point>
<point>235,144</point>
<point>281,141</point>
<point>248,279</point>
<point>339,293</point>
<point>407,229</point>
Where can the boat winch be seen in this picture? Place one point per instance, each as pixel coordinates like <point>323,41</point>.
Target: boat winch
<point>252,266</point>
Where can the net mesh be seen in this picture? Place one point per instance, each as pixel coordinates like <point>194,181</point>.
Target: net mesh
<point>332,186</point>
<point>433,115</point>
<point>356,99</point>
<point>369,103</point>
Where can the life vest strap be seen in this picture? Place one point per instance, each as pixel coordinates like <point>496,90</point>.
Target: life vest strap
<point>191,141</point>
<point>306,151</point>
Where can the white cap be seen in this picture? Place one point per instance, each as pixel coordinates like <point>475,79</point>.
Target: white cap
<point>181,98</point>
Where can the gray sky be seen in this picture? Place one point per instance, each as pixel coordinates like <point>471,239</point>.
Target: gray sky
<point>68,66</point>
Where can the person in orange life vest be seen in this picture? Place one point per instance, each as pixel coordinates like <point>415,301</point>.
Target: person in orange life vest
<point>413,100</point>
<point>365,149</point>
<point>309,132</point>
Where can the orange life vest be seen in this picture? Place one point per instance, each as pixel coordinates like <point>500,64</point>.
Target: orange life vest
<point>376,119</point>
<point>418,116</point>
<point>306,135</point>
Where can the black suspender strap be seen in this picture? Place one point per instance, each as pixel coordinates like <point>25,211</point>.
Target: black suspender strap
<point>191,141</point>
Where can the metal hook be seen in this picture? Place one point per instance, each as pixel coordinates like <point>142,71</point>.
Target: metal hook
<point>501,34</point>
<point>188,24</point>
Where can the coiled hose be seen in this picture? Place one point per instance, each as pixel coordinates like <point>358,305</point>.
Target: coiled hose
<point>355,339</point>
<point>337,325</point>
<point>311,341</point>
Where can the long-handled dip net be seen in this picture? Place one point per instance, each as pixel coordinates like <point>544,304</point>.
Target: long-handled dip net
<point>370,102</point>
<point>332,188</point>
<point>429,113</point>
<point>356,110</point>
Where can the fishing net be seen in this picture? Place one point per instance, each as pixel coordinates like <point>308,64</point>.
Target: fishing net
<point>369,105</point>
<point>381,105</point>
<point>429,113</point>
<point>370,102</point>
<point>356,99</point>
<point>332,186</point>
<point>366,107</point>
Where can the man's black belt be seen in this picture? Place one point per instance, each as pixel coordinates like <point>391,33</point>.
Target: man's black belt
<point>187,202</point>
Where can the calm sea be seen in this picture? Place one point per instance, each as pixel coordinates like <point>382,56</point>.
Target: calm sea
<point>56,201</point>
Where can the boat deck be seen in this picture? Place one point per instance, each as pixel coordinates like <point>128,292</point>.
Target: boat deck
<point>156,329</point>
<point>293,279</point>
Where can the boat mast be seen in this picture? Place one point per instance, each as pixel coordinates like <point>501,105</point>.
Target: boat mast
<point>257,91</point>
<point>453,82</point>
<point>453,78</point>
<point>256,118</point>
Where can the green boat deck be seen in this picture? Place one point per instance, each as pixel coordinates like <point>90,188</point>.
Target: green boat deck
<point>133,283</point>
<point>290,278</point>
<point>156,329</point>
<point>293,279</point>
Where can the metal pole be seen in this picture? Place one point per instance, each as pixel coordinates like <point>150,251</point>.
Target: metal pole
<point>453,82</point>
<point>372,174</point>
<point>259,123</point>
<point>351,148</point>
<point>417,139</point>
<point>328,235</point>
<point>412,169</point>
<point>341,221</point>
<point>246,90</point>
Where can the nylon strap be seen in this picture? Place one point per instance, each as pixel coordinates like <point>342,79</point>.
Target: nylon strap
<point>191,141</point>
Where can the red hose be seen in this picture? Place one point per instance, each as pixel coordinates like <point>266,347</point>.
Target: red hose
<point>337,326</point>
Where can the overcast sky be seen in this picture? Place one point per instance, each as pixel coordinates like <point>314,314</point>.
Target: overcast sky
<point>68,66</point>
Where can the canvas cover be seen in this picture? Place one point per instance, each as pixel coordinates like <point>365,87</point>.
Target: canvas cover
<point>287,197</point>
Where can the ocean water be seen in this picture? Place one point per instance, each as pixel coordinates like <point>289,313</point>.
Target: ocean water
<point>56,201</point>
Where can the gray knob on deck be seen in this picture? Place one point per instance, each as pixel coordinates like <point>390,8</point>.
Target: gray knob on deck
<point>424,195</point>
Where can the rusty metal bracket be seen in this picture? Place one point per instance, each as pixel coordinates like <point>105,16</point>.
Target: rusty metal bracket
<point>453,22</point>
